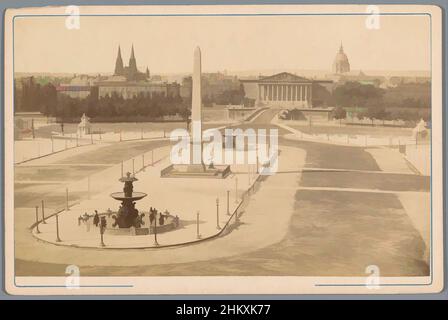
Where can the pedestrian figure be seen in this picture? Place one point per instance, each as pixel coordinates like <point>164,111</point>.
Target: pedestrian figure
<point>80,219</point>
<point>176,221</point>
<point>88,223</point>
<point>103,224</point>
<point>96,219</point>
<point>161,220</point>
<point>151,216</point>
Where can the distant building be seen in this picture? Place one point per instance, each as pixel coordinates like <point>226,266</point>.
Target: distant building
<point>341,64</point>
<point>130,72</point>
<point>282,90</point>
<point>80,86</point>
<point>213,84</point>
<point>126,82</point>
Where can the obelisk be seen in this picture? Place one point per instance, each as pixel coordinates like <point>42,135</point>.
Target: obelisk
<point>196,112</point>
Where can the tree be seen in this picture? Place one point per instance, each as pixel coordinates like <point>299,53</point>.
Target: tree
<point>339,113</point>
<point>355,94</point>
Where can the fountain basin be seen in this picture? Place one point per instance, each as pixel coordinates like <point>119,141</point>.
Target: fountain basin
<point>122,197</point>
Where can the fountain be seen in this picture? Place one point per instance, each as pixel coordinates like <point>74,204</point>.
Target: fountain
<point>127,214</point>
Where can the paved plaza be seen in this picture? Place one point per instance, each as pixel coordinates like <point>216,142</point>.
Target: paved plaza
<point>332,195</point>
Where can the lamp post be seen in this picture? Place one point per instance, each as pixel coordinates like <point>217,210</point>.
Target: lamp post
<point>57,228</point>
<point>257,164</point>
<point>155,228</point>
<point>37,220</point>
<point>143,162</point>
<point>198,235</point>
<point>103,224</point>
<point>66,200</point>
<point>217,214</point>
<point>133,166</point>
<point>43,213</point>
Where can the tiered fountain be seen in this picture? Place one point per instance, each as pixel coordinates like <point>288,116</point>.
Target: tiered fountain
<point>127,214</point>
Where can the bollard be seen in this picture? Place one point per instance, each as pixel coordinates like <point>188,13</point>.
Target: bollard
<point>155,229</point>
<point>43,213</point>
<point>57,228</point>
<point>257,163</point>
<point>198,235</point>
<point>101,235</point>
<point>37,220</point>
<point>217,214</point>
<point>66,200</point>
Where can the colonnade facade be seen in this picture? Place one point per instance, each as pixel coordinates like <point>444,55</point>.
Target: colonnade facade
<point>286,93</point>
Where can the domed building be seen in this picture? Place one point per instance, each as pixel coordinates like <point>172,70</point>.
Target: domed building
<point>341,64</point>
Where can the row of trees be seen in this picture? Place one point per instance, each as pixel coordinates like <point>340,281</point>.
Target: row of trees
<point>406,102</point>
<point>116,107</point>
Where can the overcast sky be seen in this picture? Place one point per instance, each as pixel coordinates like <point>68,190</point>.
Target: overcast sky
<point>166,44</point>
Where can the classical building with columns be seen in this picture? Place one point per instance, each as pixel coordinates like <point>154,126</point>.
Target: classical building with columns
<point>284,90</point>
<point>289,91</point>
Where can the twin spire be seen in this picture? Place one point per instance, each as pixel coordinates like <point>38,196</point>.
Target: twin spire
<point>131,71</point>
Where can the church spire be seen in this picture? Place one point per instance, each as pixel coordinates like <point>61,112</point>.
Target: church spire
<point>341,48</point>
<point>119,70</point>
<point>132,62</point>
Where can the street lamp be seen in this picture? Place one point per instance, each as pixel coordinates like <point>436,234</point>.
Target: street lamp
<point>217,214</point>
<point>155,228</point>
<point>198,235</point>
<point>43,213</point>
<point>57,228</point>
<point>37,220</point>
<point>103,224</point>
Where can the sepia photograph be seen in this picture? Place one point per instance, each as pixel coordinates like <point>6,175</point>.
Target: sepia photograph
<point>223,149</point>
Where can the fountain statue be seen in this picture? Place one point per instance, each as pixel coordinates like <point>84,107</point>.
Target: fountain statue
<point>127,214</point>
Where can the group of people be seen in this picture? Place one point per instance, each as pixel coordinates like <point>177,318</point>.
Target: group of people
<point>94,219</point>
<point>163,216</point>
<point>100,221</point>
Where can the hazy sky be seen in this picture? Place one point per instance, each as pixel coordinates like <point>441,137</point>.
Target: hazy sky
<point>166,44</point>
